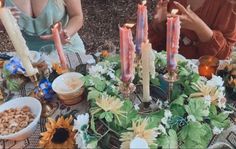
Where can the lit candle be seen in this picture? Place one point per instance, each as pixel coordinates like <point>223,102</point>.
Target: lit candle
<point>208,66</point>
<point>15,35</point>
<point>142,26</point>
<point>127,54</point>
<point>146,56</point>
<point>58,45</point>
<point>172,42</point>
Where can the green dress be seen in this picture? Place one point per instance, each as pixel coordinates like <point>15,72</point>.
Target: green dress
<point>32,28</point>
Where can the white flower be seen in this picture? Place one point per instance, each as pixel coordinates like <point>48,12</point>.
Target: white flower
<point>217,130</point>
<point>164,121</point>
<point>166,117</point>
<point>228,112</point>
<point>81,120</point>
<point>167,113</point>
<point>221,102</point>
<point>207,100</point>
<point>161,129</point>
<point>136,107</point>
<point>111,75</point>
<point>96,70</point>
<point>79,141</point>
<point>157,105</point>
<point>138,142</point>
<point>215,81</point>
<point>191,118</point>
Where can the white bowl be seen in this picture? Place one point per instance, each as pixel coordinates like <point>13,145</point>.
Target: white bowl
<point>35,107</point>
<point>68,83</point>
<point>69,87</point>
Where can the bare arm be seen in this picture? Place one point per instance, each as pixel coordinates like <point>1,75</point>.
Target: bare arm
<point>75,13</point>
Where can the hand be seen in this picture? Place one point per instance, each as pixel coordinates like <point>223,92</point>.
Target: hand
<point>189,20</point>
<point>15,12</point>
<point>65,38</point>
<point>161,11</point>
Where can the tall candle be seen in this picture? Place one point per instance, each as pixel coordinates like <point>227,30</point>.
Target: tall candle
<point>146,56</point>
<point>172,42</point>
<point>15,35</point>
<point>142,26</point>
<point>127,50</point>
<point>58,45</point>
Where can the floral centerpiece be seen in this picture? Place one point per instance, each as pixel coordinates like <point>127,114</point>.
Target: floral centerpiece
<point>196,113</point>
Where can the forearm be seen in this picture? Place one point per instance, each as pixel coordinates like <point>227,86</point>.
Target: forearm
<point>203,32</point>
<point>74,25</point>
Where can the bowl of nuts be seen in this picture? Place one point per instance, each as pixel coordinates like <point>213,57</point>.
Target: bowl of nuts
<point>19,118</point>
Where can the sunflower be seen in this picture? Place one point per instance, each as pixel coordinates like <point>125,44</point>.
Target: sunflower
<point>139,129</point>
<point>59,134</point>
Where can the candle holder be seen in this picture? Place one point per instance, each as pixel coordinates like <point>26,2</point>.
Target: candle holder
<point>208,66</point>
<point>157,99</point>
<point>47,108</point>
<point>170,77</point>
<point>127,88</point>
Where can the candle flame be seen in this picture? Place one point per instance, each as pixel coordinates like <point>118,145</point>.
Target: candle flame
<point>129,25</point>
<point>144,2</point>
<point>174,11</point>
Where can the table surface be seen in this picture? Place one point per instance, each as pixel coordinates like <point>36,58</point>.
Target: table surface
<point>82,107</point>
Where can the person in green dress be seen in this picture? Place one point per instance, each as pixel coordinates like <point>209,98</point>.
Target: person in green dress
<point>35,19</point>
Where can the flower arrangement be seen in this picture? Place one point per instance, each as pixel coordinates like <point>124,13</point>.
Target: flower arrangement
<point>196,113</point>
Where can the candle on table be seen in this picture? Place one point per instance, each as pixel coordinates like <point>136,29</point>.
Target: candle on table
<point>172,42</point>
<point>146,56</point>
<point>15,35</point>
<point>208,66</point>
<point>127,51</point>
<point>142,26</point>
<point>58,45</point>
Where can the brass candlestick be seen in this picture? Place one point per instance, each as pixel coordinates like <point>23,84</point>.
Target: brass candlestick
<point>170,77</point>
<point>127,89</point>
<point>47,108</point>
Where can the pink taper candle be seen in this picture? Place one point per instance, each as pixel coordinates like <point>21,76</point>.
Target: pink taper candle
<point>58,45</point>
<point>142,26</point>
<point>127,51</point>
<point>172,42</point>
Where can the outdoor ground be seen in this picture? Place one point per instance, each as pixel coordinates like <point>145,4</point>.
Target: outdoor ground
<point>101,20</point>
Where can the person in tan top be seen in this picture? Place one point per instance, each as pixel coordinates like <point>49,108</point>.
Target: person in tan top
<point>208,27</point>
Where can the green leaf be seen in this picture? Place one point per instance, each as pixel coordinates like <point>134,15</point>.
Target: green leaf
<point>108,116</point>
<point>197,108</point>
<point>195,135</point>
<point>180,100</point>
<point>208,135</point>
<point>155,82</point>
<point>221,120</point>
<point>177,110</point>
<point>213,110</point>
<point>93,94</point>
<point>100,85</point>
<point>168,141</point>
<point>102,115</point>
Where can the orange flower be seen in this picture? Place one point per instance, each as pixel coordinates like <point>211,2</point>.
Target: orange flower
<point>105,53</point>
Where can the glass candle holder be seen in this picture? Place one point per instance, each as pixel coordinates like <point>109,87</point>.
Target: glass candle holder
<point>208,66</point>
